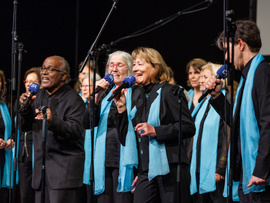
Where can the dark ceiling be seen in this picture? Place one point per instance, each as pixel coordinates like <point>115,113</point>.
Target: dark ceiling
<point>49,28</point>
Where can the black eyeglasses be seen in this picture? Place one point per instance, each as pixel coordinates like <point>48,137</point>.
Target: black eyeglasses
<point>49,70</point>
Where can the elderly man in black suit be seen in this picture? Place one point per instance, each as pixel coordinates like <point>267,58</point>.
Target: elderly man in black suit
<point>64,147</point>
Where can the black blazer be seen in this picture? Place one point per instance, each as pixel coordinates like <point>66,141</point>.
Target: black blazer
<point>168,130</point>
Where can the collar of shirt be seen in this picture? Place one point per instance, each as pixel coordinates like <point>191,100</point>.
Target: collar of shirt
<point>246,69</point>
<point>148,87</point>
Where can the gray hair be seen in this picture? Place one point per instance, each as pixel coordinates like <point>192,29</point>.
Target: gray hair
<point>91,77</point>
<point>126,57</point>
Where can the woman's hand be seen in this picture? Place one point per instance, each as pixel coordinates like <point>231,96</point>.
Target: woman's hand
<point>120,100</point>
<point>104,84</point>
<point>133,184</point>
<point>145,129</point>
<point>9,144</point>
<point>2,143</point>
<point>218,177</point>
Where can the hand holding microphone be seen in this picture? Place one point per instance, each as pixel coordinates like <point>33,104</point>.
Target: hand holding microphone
<point>215,83</point>
<point>101,85</point>
<point>127,82</point>
<point>26,99</point>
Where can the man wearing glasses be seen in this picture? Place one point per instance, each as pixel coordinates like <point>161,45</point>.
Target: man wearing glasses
<point>64,144</point>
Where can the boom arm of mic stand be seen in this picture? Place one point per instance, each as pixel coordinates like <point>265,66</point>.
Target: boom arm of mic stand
<point>98,36</point>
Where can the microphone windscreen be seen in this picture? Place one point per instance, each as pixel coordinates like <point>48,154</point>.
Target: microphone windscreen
<point>130,80</point>
<point>222,72</point>
<point>109,78</point>
<point>34,87</point>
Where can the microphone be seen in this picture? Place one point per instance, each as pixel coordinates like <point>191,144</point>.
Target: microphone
<point>222,73</point>
<point>108,78</point>
<point>34,87</point>
<point>127,82</point>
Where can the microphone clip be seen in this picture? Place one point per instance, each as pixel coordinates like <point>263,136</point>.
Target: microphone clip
<point>42,109</point>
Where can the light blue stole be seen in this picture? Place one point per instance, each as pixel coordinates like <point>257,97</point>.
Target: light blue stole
<point>87,159</point>
<point>158,161</point>
<point>209,145</point>
<point>128,154</point>
<point>7,176</point>
<point>249,131</point>
<point>88,153</point>
<point>191,94</point>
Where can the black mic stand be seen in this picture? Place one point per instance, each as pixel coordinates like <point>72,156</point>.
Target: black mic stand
<point>94,55</point>
<point>180,93</point>
<point>44,142</point>
<point>16,60</point>
<point>229,33</point>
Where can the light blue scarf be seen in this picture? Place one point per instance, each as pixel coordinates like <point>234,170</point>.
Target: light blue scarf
<point>248,126</point>
<point>128,154</point>
<point>197,108</point>
<point>209,144</point>
<point>191,94</point>
<point>7,176</point>
<point>158,161</point>
<point>88,153</point>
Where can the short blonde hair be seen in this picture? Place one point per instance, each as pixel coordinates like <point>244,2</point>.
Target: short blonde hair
<point>213,67</point>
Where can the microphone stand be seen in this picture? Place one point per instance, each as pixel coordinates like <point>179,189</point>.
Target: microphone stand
<point>229,33</point>
<point>180,93</point>
<point>107,47</point>
<point>44,142</point>
<point>16,140</point>
<point>94,55</point>
<point>16,60</point>
<point>90,52</point>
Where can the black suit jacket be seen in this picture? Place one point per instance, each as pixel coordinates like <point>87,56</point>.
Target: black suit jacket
<point>64,147</point>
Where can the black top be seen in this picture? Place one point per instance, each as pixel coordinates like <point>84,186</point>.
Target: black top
<point>261,102</point>
<point>168,130</point>
<point>2,128</point>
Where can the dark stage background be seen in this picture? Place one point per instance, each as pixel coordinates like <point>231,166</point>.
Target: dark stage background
<point>49,28</point>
